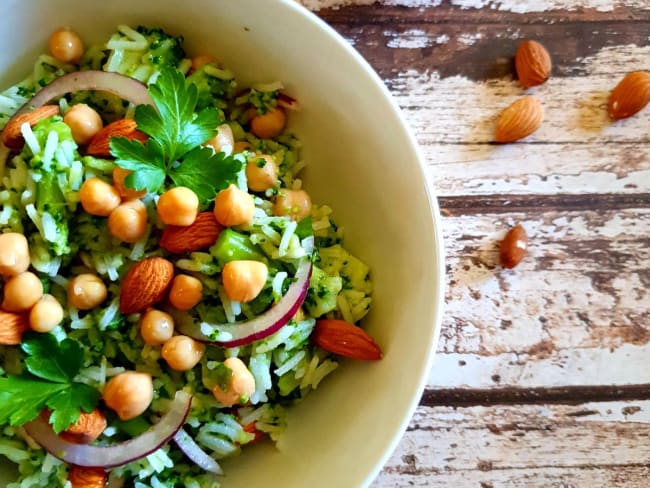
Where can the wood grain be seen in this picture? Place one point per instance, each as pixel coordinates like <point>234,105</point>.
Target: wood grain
<point>524,445</point>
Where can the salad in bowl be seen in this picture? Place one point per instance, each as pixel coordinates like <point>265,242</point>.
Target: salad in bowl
<point>168,286</point>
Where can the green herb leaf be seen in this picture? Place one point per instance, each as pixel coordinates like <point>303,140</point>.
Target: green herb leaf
<point>22,398</point>
<point>174,125</point>
<point>53,366</point>
<point>66,405</point>
<point>206,172</point>
<point>304,228</point>
<point>173,150</point>
<point>144,160</point>
<point>50,360</point>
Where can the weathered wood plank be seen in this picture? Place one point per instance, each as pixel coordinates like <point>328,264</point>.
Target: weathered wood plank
<point>545,477</point>
<point>576,305</point>
<point>591,444</point>
<point>543,169</point>
<point>488,8</point>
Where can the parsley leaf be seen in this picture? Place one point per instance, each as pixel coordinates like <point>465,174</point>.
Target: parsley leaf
<point>174,149</point>
<point>66,405</point>
<point>174,125</point>
<point>144,160</point>
<point>52,366</point>
<point>206,172</point>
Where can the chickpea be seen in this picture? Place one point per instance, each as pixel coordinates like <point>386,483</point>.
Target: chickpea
<point>98,197</point>
<point>178,206</point>
<point>244,280</point>
<point>84,123</point>
<point>86,291</point>
<point>261,173</point>
<point>46,314</point>
<point>294,203</point>
<point>128,222</point>
<point>240,146</point>
<point>22,292</point>
<point>66,46</point>
<point>156,327</point>
<point>270,124</point>
<point>119,174</point>
<point>128,394</point>
<point>223,141</point>
<point>199,61</point>
<point>182,353</point>
<point>14,254</point>
<point>241,387</point>
<point>186,292</point>
<point>233,206</point>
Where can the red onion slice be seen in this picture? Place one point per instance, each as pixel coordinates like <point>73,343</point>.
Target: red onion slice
<point>287,102</point>
<point>117,454</point>
<point>124,87</point>
<point>242,333</point>
<point>197,455</point>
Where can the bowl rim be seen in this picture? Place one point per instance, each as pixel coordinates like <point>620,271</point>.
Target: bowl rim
<point>439,262</point>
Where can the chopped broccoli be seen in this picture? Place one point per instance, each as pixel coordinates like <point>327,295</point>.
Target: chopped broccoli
<point>164,50</point>
<point>213,90</point>
<point>323,289</point>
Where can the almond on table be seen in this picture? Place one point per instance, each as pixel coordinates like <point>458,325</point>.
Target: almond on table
<point>520,119</point>
<point>533,63</point>
<point>630,96</point>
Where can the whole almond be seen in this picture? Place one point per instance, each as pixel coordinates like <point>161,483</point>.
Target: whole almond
<point>345,339</point>
<point>200,235</point>
<point>630,95</point>
<point>12,136</point>
<point>513,247</point>
<point>81,477</point>
<point>145,284</point>
<point>99,144</point>
<point>12,327</point>
<point>87,428</point>
<point>533,64</point>
<point>519,119</point>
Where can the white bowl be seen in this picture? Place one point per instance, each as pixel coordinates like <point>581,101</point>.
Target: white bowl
<point>362,160</point>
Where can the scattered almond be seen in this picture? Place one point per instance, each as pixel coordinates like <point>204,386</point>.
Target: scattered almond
<point>12,136</point>
<point>513,247</point>
<point>345,339</point>
<point>630,95</point>
<point>99,144</point>
<point>533,64</point>
<point>12,326</point>
<point>145,284</point>
<point>200,235</point>
<point>81,477</point>
<point>519,119</point>
<point>86,429</point>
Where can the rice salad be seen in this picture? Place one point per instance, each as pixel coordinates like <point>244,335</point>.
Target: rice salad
<point>169,289</point>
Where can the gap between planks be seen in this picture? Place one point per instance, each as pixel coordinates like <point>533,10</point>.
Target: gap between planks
<point>490,204</point>
<point>565,395</point>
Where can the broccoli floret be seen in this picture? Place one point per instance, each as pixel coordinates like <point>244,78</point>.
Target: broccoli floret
<point>52,208</point>
<point>213,91</point>
<point>164,50</point>
<point>323,289</point>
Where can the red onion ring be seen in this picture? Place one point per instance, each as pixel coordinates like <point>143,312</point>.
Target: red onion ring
<point>287,102</point>
<point>264,325</point>
<point>124,87</point>
<point>117,454</point>
<point>197,455</point>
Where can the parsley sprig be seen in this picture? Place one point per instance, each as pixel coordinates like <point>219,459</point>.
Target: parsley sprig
<point>49,383</point>
<point>173,150</point>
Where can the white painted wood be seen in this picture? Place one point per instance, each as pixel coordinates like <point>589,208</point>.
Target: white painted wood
<point>594,444</point>
<point>519,6</point>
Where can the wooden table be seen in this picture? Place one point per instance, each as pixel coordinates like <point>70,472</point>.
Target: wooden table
<point>542,377</point>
